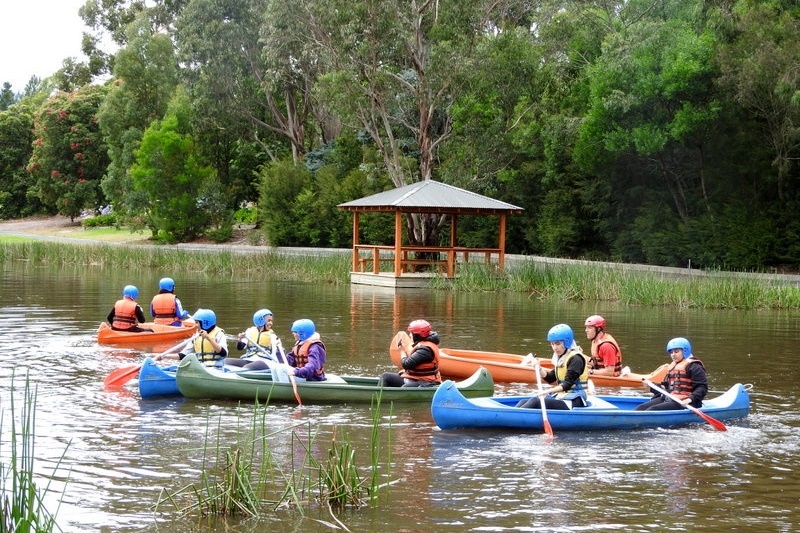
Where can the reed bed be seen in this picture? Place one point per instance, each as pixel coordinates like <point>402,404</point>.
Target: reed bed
<point>716,290</point>
<point>567,282</point>
<point>332,269</point>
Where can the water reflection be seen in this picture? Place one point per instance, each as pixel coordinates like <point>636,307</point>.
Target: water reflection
<point>121,451</point>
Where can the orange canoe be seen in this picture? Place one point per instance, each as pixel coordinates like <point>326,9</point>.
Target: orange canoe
<point>508,367</point>
<point>160,333</point>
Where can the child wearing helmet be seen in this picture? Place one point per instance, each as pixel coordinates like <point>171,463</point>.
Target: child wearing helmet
<point>260,344</point>
<point>686,379</point>
<point>126,315</point>
<point>569,374</point>
<point>308,355</point>
<point>165,307</point>
<point>606,358</point>
<point>209,344</point>
<point>421,363</point>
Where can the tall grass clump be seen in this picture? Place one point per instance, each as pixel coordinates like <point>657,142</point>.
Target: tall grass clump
<point>23,508</point>
<point>246,479</point>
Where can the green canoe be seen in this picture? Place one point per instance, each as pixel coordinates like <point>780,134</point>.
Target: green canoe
<point>196,380</point>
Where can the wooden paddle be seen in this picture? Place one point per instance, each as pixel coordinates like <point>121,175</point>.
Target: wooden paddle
<point>547,429</point>
<point>273,358</point>
<point>716,424</point>
<point>119,377</point>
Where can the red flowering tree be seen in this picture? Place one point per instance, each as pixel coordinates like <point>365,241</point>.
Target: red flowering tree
<point>69,156</point>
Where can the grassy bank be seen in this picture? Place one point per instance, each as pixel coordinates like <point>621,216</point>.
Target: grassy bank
<point>570,282</point>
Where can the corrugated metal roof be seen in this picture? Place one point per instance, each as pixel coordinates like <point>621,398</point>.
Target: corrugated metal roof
<point>430,196</point>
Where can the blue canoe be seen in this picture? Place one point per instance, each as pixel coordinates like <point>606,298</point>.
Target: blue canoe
<point>157,381</point>
<point>451,410</point>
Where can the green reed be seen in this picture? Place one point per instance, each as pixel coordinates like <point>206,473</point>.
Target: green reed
<point>600,282</point>
<point>23,508</point>
<point>244,478</point>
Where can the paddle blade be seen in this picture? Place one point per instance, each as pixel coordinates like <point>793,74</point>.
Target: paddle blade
<point>119,377</point>
<point>547,428</point>
<point>296,394</point>
<point>713,422</point>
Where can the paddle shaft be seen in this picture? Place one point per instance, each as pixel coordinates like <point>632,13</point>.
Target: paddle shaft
<point>545,422</point>
<point>716,424</point>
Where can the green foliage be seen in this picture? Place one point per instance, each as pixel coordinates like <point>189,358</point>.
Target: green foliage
<point>247,214</point>
<point>99,221</point>
<point>69,155</point>
<point>16,136</point>
<point>169,174</point>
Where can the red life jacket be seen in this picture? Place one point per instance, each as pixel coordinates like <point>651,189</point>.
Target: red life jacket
<point>597,362</point>
<point>678,381</point>
<point>426,371</point>
<point>301,355</point>
<point>124,314</point>
<point>164,308</point>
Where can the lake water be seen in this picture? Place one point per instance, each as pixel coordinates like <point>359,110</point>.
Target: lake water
<point>121,451</point>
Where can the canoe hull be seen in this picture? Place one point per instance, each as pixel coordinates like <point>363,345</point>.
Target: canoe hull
<point>160,334</point>
<point>508,368</point>
<point>198,381</point>
<point>157,381</point>
<point>451,410</point>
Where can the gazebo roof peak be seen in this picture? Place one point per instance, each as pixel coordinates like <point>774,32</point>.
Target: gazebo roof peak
<point>429,196</point>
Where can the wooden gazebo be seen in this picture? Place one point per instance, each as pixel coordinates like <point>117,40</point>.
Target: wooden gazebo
<point>402,261</point>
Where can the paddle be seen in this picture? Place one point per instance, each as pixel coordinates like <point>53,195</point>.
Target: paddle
<point>716,424</point>
<point>119,377</point>
<point>545,422</point>
<point>273,358</point>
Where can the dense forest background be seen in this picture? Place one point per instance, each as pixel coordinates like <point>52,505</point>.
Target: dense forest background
<point>655,131</point>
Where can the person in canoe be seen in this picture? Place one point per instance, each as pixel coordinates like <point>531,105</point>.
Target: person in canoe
<point>126,315</point>
<point>308,355</point>
<point>420,362</point>
<point>686,379</point>
<point>606,359</point>
<point>209,344</point>
<point>260,344</point>
<point>165,307</point>
<point>569,375</point>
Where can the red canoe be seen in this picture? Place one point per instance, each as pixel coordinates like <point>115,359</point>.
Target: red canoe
<point>160,334</point>
<point>508,367</point>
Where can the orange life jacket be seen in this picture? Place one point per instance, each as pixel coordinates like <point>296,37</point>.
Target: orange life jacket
<point>597,362</point>
<point>426,371</point>
<point>124,314</point>
<point>678,381</point>
<point>301,355</point>
<point>164,308</point>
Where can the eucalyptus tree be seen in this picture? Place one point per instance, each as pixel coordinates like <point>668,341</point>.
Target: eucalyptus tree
<point>243,84</point>
<point>16,136</point>
<point>391,71</point>
<point>145,77</point>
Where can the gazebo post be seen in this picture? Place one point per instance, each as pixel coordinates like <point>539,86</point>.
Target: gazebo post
<point>398,242</point>
<point>501,258</point>
<point>355,241</point>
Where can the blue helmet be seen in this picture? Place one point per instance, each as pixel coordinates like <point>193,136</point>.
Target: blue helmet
<point>166,284</point>
<point>304,328</point>
<point>260,317</point>
<point>563,333</point>
<point>206,318</point>
<point>130,291</point>
<point>683,343</point>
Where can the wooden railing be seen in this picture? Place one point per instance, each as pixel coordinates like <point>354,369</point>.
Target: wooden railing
<point>376,259</point>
